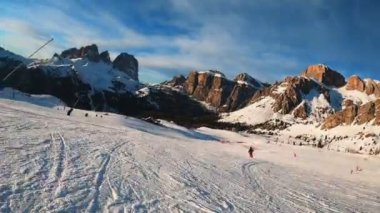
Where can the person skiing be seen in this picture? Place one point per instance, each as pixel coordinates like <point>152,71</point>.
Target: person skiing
<point>250,151</point>
<point>70,111</point>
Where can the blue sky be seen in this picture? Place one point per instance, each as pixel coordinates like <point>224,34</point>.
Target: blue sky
<point>268,39</point>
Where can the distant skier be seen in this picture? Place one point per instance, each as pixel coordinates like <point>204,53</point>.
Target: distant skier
<point>70,111</point>
<point>250,151</point>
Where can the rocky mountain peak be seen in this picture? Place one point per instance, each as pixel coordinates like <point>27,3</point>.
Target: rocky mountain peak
<point>105,56</point>
<point>369,86</point>
<point>245,78</point>
<point>128,64</point>
<point>178,80</point>
<point>325,75</point>
<point>90,51</point>
<point>355,83</point>
<point>214,88</point>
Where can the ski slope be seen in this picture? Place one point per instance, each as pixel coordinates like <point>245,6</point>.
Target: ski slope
<point>50,162</point>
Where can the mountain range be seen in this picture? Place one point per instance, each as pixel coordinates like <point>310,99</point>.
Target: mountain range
<point>319,107</point>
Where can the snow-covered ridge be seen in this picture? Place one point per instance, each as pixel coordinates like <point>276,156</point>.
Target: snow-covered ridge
<point>100,75</point>
<point>356,96</point>
<point>255,113</point>
<point>5,54</point>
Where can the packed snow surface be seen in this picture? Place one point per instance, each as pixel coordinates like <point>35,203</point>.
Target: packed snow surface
<point>255,113</point>
<point>50,162</point>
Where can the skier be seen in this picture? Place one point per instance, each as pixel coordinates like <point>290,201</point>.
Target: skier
<point>69,112</point>
<point>250,151</point>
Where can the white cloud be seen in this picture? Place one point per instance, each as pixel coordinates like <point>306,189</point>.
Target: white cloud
<point>214,44</point>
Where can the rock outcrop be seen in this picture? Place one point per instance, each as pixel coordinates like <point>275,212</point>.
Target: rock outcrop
<point>347,116</point>
<point>366,113</point>
<point>91,52</point>
<point>105,56</point>
<point>355,83</point>
<point>353,114</point>
<point>245,78</point>
<point>333,121</point>
<point>325,75</point>
<point>350,112</point>
<point>377,112</point>
<point>369,86</point>
<point>372,87</point>
<point>128,64</point>
<point>290,93</point>
<point>215,89</point>
<point>301,111</point>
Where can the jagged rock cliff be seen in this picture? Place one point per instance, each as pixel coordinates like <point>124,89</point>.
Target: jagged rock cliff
<point>215,89</point>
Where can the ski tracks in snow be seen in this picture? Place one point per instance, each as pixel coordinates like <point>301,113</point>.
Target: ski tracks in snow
<point>90,168</point>
<point>287,191</point>
<point>60,162</point>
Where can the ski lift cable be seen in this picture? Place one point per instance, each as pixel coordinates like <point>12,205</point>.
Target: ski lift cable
<point>31,55</point>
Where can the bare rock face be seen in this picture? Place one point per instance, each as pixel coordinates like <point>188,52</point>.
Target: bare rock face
<point>333,120</point>
<point>350,112</point>
<point>105,56</point>
<point>127,64</point>
<point>377,112</point>
<point>371,87</point>
<point>325,75</point>
<point>91,52</point>
<point>211,87</point>
<point>301,111</point>
<point>366,113</point>
<point>355,83</point>
<point>290,93</point>
<point>244,78</point>
<point>215,89</point>
<point>192,82</point>
<point>176,81</point>
<point>239,97</point>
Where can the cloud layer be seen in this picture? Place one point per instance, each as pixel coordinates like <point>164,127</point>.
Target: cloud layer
<point>268,39</point>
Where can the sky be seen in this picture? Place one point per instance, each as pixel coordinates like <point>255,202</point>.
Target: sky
<point>269,39</point>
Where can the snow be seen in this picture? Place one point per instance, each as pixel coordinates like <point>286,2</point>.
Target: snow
<point>100,75</point>
<point>256,113</point>
<point>143,92</point>
<point>356,96</point>
<point>41,100</point>
<point>9,55</point>
<point>280,89</point>
<point>50,162</point>
<point>218,75</point>
<point>212,72</point>
<point>249,84</point>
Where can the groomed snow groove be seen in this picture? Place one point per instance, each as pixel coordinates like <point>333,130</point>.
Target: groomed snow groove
<point>51,162</point>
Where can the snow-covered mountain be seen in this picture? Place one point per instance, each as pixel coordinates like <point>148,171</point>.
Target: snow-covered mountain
<point>86,79</point>
<point>319,99</point>
<point>314,103</point>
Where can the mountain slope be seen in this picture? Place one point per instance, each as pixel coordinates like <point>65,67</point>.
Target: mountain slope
<point>215,89</point>
<point>313,102</point>
<point>86,79</point>
<point>53,162</point>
